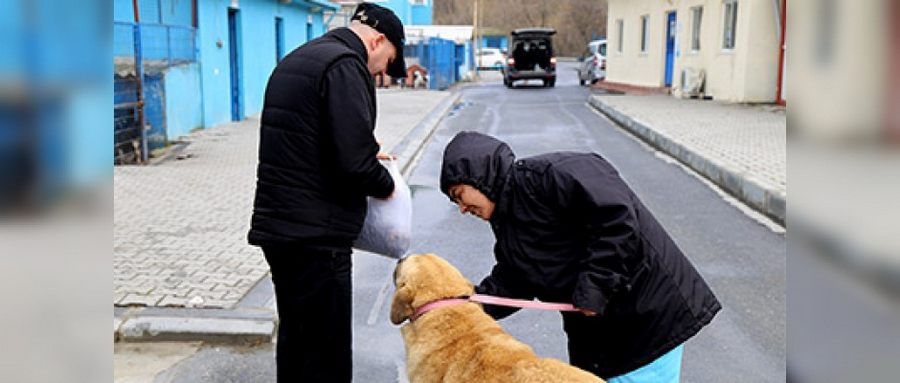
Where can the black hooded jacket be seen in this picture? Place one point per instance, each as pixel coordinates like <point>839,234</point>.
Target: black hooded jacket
<point>317,152</point>
<point>569,229</point>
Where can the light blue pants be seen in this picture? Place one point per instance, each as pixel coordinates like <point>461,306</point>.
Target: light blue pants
<point>665,369</point>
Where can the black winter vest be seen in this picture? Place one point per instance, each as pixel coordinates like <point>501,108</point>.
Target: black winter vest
<point>304,194</point>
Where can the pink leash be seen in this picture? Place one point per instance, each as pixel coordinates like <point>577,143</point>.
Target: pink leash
<point>521,303</point>
<point>492,300</point>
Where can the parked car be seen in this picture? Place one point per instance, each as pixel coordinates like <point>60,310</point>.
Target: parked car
<point>531,56</point>
<point>490,58</point>
<point>592,67</point>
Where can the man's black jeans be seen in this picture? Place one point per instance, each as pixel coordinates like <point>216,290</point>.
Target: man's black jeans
<point>313,293</point>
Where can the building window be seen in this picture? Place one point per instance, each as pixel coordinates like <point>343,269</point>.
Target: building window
<point>620,27</point>
<point>645,21</point>
<point>696,21</point>
<point>419,2</point>
<point>825,36</point>
<point>728,38</point>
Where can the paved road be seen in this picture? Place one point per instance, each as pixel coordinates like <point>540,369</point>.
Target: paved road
<point>742,259</point>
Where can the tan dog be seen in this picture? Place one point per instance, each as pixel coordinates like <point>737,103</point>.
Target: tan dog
<point>459,342</point>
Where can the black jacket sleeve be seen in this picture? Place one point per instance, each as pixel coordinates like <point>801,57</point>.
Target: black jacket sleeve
<point>502,282</point>
<point>603,202</point>
<point>352,120</point>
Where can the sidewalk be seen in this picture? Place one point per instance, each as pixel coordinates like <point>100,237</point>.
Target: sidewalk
<point>740,148</point>
<point>182,268</point>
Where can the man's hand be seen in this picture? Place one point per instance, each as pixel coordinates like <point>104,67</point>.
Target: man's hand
<point>588,312</point>
<point>385,156</point>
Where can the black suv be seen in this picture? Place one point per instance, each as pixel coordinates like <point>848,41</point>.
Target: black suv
<point>531,56</point>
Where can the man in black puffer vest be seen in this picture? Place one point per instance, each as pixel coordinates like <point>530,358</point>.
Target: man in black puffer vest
<point>317,163</point>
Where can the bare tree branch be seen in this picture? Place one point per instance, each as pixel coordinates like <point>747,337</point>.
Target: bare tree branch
<point>576,21</point>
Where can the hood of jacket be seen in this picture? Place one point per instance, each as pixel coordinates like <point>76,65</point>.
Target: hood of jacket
<point>479,160</point>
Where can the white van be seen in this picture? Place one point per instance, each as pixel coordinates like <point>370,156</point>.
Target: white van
<point>592,67</point>
<point>490,58</point>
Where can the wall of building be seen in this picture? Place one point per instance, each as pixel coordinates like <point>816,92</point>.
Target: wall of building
<point>747,73</point>
<point>761,53</point>
<point>842,67</point>
<point>184,109</point>
<point>408,13</point>
<point>257,47</point>
<point>422,14</point>
<point>631,66</point>
<point>212,43</point>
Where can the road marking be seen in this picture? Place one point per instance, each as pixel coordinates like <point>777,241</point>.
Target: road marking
<point>379,301</point>
<point>401,371</point>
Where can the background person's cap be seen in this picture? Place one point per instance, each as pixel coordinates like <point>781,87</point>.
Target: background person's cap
<point>385,21</point>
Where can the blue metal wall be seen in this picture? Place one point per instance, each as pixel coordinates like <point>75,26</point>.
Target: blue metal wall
<point>440,59</point>
<point>445,61</point>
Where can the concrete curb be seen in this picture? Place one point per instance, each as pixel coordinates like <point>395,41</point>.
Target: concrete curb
<point>410,148</point>
<point>767,201</point>
<point>254,319</point>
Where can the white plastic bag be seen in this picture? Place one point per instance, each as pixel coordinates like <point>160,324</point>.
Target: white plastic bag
<point>388,226</point>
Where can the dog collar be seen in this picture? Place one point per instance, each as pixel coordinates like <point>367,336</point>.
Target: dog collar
<point>446,302</point>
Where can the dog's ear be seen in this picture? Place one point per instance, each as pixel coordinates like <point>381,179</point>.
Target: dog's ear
<point>401,307</point>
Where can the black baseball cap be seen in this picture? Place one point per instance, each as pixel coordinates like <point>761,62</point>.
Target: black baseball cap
<point>385,21</point>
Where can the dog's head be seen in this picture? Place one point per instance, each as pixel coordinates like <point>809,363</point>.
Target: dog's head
<point>423,278</point>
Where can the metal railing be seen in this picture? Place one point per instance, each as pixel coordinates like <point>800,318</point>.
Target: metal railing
<point>164,45</point>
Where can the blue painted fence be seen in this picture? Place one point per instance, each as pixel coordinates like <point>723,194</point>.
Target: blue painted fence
<point>441,58</point>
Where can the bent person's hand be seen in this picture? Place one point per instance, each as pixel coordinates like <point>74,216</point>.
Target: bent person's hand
<point>588,312</point>
<point>385,156</point>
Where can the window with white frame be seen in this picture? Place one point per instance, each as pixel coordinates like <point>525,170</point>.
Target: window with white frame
<point>620,28</point>
<point>696,21</point>
<point>824,44</point>
<point>645,23</point>
<point>730,27</point>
